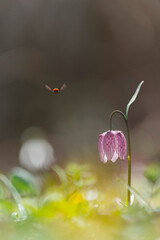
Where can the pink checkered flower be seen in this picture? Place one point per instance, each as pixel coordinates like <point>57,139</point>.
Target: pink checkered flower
<point>112,145</point>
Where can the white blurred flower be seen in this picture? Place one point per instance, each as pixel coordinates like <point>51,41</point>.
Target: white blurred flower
<point>36,152</point>
<point>92,195</point>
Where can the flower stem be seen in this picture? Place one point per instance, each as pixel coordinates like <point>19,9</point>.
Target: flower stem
<point>129,163</point>
<point>129,150</point>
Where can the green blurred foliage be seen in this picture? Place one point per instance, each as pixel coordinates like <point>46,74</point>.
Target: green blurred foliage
<point>152,173</point>
<point>24,182</point>
<point>73,208</point>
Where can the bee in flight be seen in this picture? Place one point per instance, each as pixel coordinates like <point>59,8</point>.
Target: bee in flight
<point>55,90</point>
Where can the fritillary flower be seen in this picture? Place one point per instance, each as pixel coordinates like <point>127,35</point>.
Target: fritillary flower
<point>112,145</point>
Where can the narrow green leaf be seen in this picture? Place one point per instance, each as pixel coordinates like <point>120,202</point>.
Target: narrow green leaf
<point>16,196</point>
<point>133,98</point>
<point>61,173</point>
<point>137,195</point>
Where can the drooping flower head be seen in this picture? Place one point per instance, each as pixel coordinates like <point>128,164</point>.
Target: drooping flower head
<point>112,145</point>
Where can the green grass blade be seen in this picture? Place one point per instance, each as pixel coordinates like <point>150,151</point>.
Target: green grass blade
<point>15,194</point>
<point>137,195</point>
<point>61,173</point>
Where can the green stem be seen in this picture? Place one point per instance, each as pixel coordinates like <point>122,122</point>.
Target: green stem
<point>129,150</point>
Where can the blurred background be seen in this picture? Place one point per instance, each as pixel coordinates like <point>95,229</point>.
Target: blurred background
<point>101,50</point>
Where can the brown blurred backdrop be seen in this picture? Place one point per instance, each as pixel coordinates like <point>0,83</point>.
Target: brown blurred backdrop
<point>101,50</point>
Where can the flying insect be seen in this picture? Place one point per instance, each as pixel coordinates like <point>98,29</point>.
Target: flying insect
<point>57,89</point>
